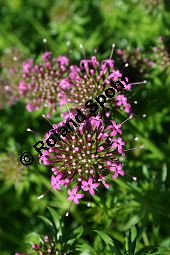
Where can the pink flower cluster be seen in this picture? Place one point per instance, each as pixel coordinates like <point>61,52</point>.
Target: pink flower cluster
<point>39,85</point>
<point>86,158</point>
<point>45,247</point>
<point>90,79</point>
<point>92,152</point>
<point>53,82</point>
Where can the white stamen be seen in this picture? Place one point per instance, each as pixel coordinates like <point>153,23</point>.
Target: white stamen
<point>15,58</point>
<point>40,197</point>
<point>130,117</point>
<point>67,214</point>
<point>111,54</point>
<point>140,82</point>
<point>44,40</point>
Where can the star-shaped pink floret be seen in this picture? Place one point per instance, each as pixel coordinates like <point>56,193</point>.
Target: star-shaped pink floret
<point>122,100</point>
<point>115,75</point>
<point>56,182</point>
<point>73,195</point>
<point>117,168</point>
<point>89,186</point>
<point>115,128</point>
<point>96,121</point>
<point>118,143</point>
<point>44,158</point>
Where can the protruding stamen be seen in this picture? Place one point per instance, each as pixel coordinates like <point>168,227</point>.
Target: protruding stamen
<point>43,195</point>
<point>126,65</point>
<point>140,147</point>
<point>32,131</point>
<point>130,117</point>
<point>44,40</point>
<point>82,49</point>
<point>40,197</point>
<point>140,82</point>
<point>67,214</point>
<point>47,120</point>
<point>132,177</point>
<point>111,54</point>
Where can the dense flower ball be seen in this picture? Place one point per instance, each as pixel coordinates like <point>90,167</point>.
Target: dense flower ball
<point>91,79</point>
<point>84,157</point>
<point>11,170</point>
<point>162,53</point>
<point>10,63</point>
<point>139,64</point>
<point>39,85</point>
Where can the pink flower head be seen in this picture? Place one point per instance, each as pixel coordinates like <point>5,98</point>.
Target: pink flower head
<point>40,87</point>
<point>89,80</point>
<point>89,186</point>
<point>83,157</point>
<point>73,195</point>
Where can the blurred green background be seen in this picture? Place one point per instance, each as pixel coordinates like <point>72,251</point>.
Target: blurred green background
<point>96,24</point>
